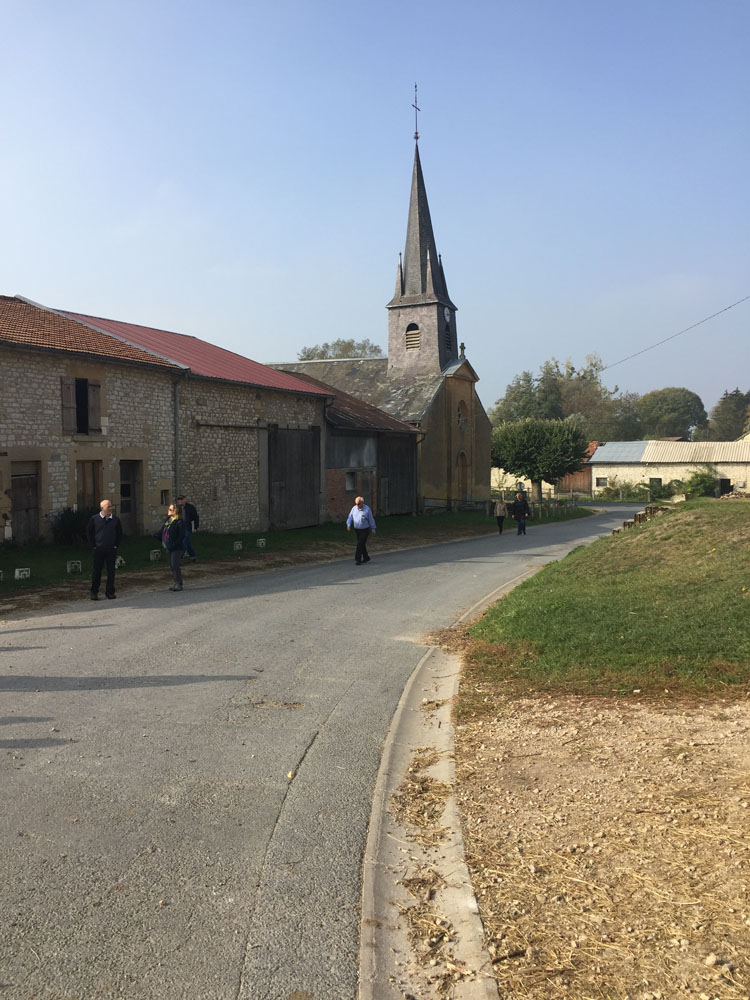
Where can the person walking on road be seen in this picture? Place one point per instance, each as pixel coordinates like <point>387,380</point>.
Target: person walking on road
<point>173,539</point>
<point>191,519</point>
<point>519,511</point>
<point>361,519</point>
<point>104,534</point>
<point>501,512</point>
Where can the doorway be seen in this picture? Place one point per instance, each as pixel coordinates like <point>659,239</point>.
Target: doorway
<point>24,501</point>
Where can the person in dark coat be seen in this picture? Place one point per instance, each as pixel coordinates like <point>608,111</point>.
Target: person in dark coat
<point>191,519</point>
<point>173,540</point>
<point>104,534</point>
<point>519,511</point>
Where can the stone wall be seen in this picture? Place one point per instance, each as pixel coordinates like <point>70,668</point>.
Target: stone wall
<point>223,450</point>
<point>136,421</point>
<point>451,442</point>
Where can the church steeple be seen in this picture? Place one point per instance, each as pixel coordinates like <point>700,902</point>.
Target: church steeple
<point>421,321</point>
<point>421,272</point>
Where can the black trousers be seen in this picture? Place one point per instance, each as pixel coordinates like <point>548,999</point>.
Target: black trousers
<point>500,523</point>
<point>102,558</point>
<point>361,554</point>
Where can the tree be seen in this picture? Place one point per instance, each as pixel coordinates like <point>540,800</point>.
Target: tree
<point>518,402</point>
<point>341,349</point>
<point>539,449</point>
<point>729,417</point>
<point>623,422</point>
<point>562,392</point>
<point>671,412</point>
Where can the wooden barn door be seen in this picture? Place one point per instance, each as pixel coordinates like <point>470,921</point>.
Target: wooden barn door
<point>293,477</point>
<point>24,501</point>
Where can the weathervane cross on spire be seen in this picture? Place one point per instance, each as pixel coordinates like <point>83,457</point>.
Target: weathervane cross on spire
<point>416,115</point>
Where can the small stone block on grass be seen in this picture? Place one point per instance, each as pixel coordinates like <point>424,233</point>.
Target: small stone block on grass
<point>260,543</point>
<point>74,565</point>
<point>155,555</point>
<point>23,573</point>
<point>237,546</point>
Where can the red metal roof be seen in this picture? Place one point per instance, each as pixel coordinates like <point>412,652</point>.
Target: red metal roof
<point>198,355</point>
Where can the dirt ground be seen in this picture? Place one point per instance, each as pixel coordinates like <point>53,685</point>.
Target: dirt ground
<point>609,846</point>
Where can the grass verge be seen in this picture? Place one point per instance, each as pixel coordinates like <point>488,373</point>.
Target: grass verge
<point>662,609</point>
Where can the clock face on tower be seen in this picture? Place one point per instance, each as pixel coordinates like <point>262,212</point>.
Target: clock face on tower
<point>447,314</point>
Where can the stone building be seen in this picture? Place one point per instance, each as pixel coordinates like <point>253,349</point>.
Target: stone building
<point>93,408</point>
<point>426,380</point>
<point>367,452</point>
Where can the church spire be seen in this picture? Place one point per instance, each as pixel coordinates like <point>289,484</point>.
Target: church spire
<point>421,271</point>
<point>422,336</point>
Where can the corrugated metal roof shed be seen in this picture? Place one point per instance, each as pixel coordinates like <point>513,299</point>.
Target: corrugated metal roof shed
<point>672,452</point>
<point>619,452</point>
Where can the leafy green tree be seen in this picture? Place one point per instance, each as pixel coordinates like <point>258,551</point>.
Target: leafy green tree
<point>623,422</point>
<point>539,449</point>
<point>518,402</point>
<point>729,418</point>
<point>560,392</point>
<point>671,412</point>
<point>340,349</point>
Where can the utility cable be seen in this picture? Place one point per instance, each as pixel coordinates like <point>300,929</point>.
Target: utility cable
<point>678,334</point>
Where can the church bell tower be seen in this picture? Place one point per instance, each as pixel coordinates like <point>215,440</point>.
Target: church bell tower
<point>422,337</point>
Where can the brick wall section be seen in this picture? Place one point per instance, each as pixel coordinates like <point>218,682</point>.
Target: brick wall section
<point>340,500</point>
<point>223,447</point>
<point>136,407</point>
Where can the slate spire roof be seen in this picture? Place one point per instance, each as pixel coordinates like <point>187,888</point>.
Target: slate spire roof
<point>420,276</point>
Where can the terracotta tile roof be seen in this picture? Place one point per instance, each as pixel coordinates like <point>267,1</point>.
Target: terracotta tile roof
<point>28,325</point>
<point>198,355</point>
<point>349,413</point>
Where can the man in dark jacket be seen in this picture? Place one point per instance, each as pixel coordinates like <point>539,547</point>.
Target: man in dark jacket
<point>519,511</point>
<point>191,522</point>
<point>104,534</point>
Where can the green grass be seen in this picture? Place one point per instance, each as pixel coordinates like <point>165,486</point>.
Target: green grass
<point>660,608</point>
<point>48,563</point>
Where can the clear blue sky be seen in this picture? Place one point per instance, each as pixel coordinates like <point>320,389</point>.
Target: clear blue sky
<point>240,171</point>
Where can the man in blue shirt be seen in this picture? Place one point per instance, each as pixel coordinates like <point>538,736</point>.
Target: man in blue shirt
<point>360,517</point>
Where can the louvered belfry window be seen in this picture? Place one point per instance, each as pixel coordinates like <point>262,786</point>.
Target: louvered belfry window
<point>412,337</point>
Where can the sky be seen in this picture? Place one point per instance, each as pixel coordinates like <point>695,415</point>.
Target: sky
<point>240,171</point>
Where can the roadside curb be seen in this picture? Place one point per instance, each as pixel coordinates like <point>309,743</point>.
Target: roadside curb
<point>387,968</point>
<point>386,958</point>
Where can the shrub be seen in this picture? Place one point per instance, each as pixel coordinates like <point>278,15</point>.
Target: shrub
<point>703,482</point>
<point>69,525</point>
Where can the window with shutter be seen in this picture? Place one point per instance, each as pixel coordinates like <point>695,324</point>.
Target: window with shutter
<point>94,407</point>
<point>81,406</point>
<point>69,424</point>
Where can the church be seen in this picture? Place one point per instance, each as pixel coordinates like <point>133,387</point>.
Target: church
<point>426,380</point>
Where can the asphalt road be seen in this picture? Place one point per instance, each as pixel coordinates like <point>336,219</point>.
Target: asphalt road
<point>187,778</point>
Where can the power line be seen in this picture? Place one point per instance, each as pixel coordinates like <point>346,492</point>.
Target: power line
<point>678,334</point>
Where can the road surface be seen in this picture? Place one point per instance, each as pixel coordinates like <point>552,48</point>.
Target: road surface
<point>187,778</point>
